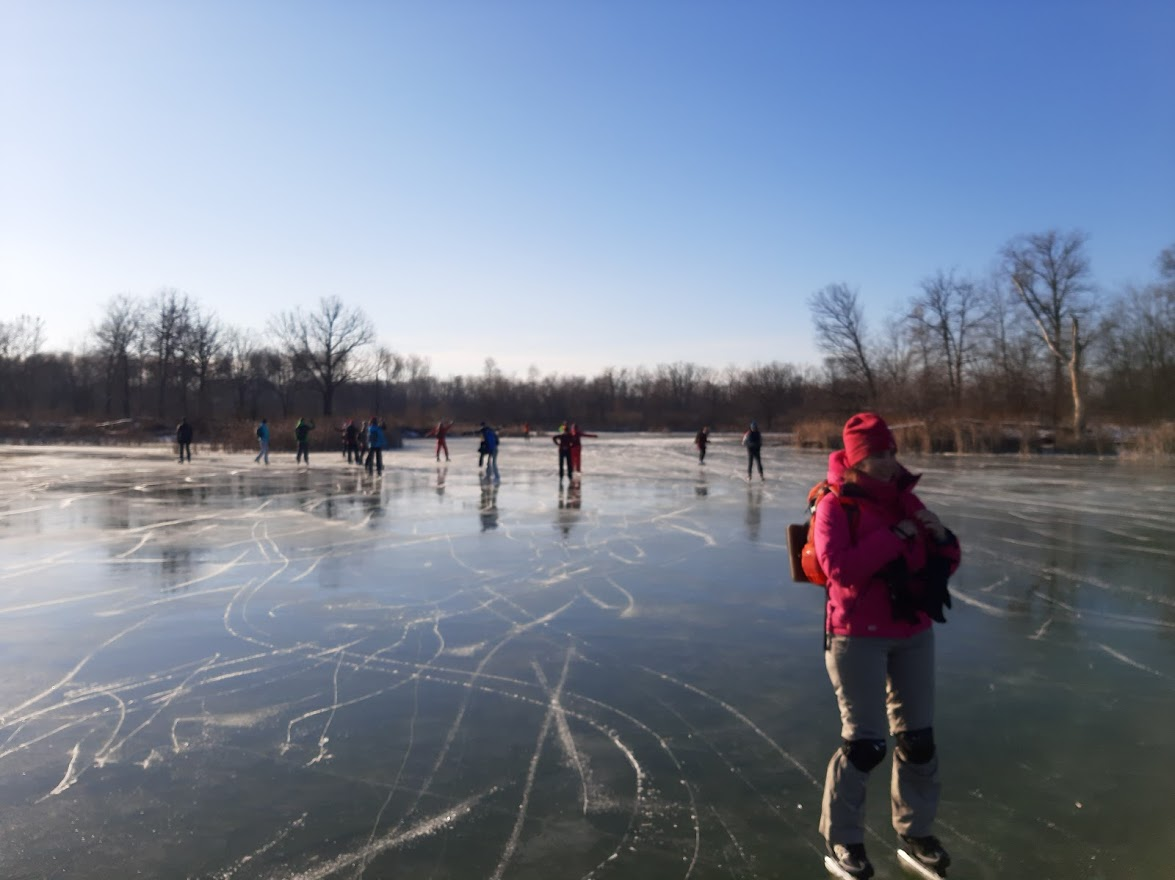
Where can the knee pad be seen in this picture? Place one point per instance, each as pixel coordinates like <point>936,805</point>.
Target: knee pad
<point>915,746</point>
<point>864,754</point>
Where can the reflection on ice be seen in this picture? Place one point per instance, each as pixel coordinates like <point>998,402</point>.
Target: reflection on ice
<point>228,671</point>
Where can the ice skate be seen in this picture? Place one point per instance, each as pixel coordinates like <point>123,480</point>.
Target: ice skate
<point>848,861</point>
<point>923,856</point>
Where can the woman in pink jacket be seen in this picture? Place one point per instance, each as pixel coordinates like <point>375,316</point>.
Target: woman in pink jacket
<point>887,559</point>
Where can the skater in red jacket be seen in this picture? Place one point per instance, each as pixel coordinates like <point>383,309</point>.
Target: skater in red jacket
<point>576,448</point>
<point>440,432</point>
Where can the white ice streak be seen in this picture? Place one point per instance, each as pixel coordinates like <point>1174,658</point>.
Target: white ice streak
<point>517,630</point>
<point>308,570</point>
<point>706,537</point>
<point>330,710</point>
<point>1118,655</point>
<point>741,717</point>
<point>323,739</point>
<point>281,835</point>
<point>1039,634</point>
<point>1128,620</point>
<point>985,607</point>
<point>215,572</point>
<point>66,600</point>
<point>71,775</point>
<point>133,550</point>
<point>69,676</point>
<point>532,769</point>
<point>166,600</point>
<point>389,841</point>
<point>106,755</point>
<point>564,730</point>
<point>628,610</point>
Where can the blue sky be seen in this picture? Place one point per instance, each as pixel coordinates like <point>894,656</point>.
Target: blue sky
<point>569,185</point>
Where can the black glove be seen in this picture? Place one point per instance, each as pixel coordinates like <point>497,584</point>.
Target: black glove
<point>935,595</point>
<point>902,601</point>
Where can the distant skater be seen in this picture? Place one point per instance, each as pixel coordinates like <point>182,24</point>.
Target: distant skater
<point>351,442</point>
<point>440,432</point>
<point>183,438</point>
<point>526,430</point>
<point>700,441</point>
<point>753,440</point>
<point>263,442</point>
<point>564,440</point>
<point>376,441</point>
<point>490,438</point>
<point>576,446</point>
<point>302,436</point>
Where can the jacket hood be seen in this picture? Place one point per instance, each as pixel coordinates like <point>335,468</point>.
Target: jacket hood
<point>837,468</point>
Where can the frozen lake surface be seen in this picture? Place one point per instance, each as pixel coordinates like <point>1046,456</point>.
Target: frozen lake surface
<point>222,670</point>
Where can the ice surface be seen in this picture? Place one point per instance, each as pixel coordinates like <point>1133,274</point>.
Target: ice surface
<point>223,670</point>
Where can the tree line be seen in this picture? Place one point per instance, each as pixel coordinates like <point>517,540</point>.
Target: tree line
<point>1034,340</point>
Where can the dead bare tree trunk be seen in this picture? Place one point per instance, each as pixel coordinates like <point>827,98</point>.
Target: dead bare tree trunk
<point>1050,274</point>
<point>840,333</point>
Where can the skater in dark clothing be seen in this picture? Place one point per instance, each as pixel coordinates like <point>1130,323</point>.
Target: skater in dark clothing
<point>351,442</point>
<point>489,438</point>
<point>376,441</point>
<point>302,436</point>
<point>753,440</point>
<point>700,441</point>
<point>183,437</point>
<point>564,441</point>
<point>887,560</point>
<point>263,441</point>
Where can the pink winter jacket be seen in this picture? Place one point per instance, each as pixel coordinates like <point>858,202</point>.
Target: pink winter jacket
<point>852,551</point>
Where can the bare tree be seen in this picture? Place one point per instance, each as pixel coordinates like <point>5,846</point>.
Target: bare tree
<point>1166,263</point>
<point>167,327</point>
<point>773,388</point>
<point>1050,273</point>
<point>896,357</point>
<point>1008,362</point>
<point>682,380</point>
<point>202,347</point>
<point>118,334</point>
<point>947,312</point>
<point>1138,347</point>
<point>281,373</point>
<point>324,344</point>
<point>241,365</point>
<point>383,367</point>
<point>20,343</point>
<point>840,333</point>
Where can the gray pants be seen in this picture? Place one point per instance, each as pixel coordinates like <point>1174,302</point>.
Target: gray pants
<point>882,686</point>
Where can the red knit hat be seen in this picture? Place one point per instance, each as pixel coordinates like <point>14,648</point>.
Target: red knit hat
<point>866,434</point>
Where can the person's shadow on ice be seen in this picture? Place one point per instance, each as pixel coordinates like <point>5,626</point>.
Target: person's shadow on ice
<point>488,511</point>
<point>754,511</point>
<point>570,500</point>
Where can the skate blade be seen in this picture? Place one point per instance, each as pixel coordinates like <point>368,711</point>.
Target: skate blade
<point>916,868</point>
<point>836,870</point>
